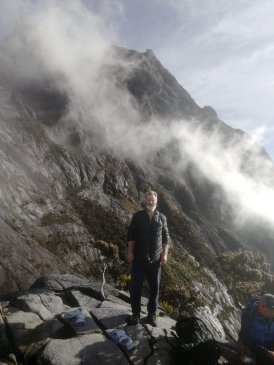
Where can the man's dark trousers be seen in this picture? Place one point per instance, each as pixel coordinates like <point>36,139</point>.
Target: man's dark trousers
<point>152,272</point>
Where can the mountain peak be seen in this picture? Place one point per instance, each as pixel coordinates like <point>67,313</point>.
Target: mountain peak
<point>150,53</point>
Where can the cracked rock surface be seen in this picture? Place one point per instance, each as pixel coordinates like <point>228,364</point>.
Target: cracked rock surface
<point>33,329</point>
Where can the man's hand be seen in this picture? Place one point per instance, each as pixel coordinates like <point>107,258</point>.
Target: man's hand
<point>164,258</point>
<point>270,356</point>
<point>129,257</point>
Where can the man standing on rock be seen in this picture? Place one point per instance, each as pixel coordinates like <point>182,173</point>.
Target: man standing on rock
<point>147,248</point>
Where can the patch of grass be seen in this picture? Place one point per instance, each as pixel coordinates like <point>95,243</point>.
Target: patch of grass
<point>55,218</point>
<point>168,308</point>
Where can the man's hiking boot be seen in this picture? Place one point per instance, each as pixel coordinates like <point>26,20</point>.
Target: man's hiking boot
<point>133,320</point>
<point>151,320</point>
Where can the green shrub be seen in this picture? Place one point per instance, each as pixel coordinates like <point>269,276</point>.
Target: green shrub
<point>108,249</point>
<point>168,308</point>
<point>245,290</point>
<point>124,282</point>
<point>247,273</point>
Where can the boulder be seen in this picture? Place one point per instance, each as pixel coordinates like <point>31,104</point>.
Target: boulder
<point>60,283</point>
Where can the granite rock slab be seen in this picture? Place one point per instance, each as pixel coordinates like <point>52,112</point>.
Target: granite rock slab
<point>141,339</point>
<point>45,305</point>
<point>27,328</point>
<point>111,315</point>
<point>84,300</point>
<point>83,350</point>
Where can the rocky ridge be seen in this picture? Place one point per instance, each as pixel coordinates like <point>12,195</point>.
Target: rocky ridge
<point>35,332</point>
<point>32,325</point>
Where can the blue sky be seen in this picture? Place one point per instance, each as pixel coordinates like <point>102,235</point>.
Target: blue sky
<point>220,51</point>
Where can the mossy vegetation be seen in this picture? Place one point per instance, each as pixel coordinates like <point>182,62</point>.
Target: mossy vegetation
<point>124,282</point>
<point>55,218</point>
<point>108,249</point>
<point>168,308</point>
<point>178,275</point>
<point>128,205</point>
<point>103,224</point>
<point>246,273</point>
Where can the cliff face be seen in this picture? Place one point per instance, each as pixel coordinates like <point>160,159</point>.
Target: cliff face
<point>69,188</point>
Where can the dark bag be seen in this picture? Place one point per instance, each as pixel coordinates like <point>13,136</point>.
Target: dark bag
<point>196,342</point>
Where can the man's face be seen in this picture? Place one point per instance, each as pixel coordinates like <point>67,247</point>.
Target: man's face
<point>151,201</point>
<point>268,312</point>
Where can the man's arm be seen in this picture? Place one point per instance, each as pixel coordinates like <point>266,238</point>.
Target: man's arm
<point>130,239</point>
<point>166,241</point>
<point>164,253</point>
<point>130,248</point>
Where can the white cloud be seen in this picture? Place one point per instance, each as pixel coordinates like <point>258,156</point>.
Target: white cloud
<point>262,134</point>
<point>249,193</point>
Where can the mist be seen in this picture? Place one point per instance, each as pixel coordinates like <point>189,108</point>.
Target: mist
<point>72,46</point>
<point>249,193</point>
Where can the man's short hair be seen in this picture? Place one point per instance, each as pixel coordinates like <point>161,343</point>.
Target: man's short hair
<point>150,192</point>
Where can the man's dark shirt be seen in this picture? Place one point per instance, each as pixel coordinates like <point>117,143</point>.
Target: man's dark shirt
<point>148,235</point>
